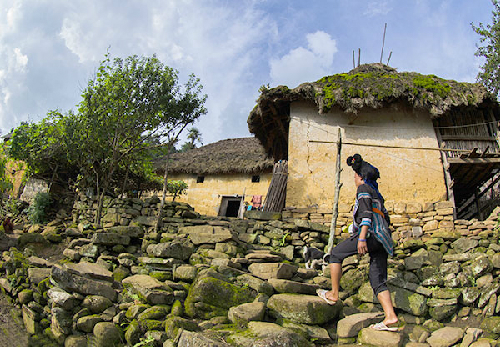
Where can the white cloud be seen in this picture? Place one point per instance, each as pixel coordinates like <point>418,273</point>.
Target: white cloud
<point>305,64</point>
<point>377,8</point>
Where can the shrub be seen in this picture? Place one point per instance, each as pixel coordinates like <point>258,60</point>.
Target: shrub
<point>38,210</point>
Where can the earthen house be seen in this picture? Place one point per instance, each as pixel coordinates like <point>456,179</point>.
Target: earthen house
<point>432,139</point>
<point>222,176</point>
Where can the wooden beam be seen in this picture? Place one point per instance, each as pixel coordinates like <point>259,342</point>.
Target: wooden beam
<point>468,138</point>
<point>447,176</point>
<point>474,160</point>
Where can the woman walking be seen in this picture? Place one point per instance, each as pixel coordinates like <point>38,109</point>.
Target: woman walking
<point>370,235</point>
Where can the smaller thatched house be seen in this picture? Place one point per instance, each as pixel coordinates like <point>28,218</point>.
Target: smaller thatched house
<point>222,176</point>
<point>432,139</point>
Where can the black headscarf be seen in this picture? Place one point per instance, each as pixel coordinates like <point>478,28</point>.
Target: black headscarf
<point>366,171</point>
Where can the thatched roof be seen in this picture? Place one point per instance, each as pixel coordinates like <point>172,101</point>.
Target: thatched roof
<point>367,86</point>
<point>241,155</point>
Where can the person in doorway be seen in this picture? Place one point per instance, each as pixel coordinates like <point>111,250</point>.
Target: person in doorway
<point>8,226</point>
<point>370,235</point>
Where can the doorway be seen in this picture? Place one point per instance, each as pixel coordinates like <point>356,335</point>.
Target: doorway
<point>231,206</point>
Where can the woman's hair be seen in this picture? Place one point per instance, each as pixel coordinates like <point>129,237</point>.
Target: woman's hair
<point>364,169</point>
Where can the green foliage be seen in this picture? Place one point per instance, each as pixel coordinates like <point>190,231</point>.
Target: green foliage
<point>176,188</point>
<point>38,210</point>
<point>490,50</point>
<point>5,182</point>
<point>133,110</point>
<point>146,342</point>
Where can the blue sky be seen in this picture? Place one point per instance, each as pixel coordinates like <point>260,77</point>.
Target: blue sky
<point>49,49</point>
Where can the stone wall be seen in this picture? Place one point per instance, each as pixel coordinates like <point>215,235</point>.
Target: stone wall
<point>202,280</point>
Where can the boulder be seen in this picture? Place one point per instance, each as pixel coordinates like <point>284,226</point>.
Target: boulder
<point>372,337</point>
<point>263,257</point>
<point>189,339</point>
<point>91,270</point>
<point>29,320</point>
<point>314,333</point>
<point>199,234</point>
<point>96,303</point>
<point>210,297</point>
<point>110,239</point>
<point>287,286</point>
<point>440,309</point>
<point>303,308</point>
<point>150,289</point>
<point>106,335</point>
<point>491,325</point>
<point>75,283</point>
<point>175,250</point>
<point>75,341</point>
<point>351,325</point>
<point>244,313</point>
<point>409,301</point>
<point>61,298</point>
<point>464,244</point>
<point>271,334</point>
<point>87,323</point>
<point>145,220</point>
<point>62,322</point>
<point>478,267</point>
<point>173,324</point>
<point>353,279</point>
<point>36,275</point>
<point>445,337</point>
<point>256,284</point>
<point>272,270</point>
<point>185,273</point>
<point>130,231</point>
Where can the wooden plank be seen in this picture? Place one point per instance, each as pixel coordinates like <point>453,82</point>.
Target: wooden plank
<point>468,138</point>
<point>474,160</point>
<point>495,128</point>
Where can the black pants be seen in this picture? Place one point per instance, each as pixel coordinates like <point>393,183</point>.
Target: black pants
<point>378,260</point>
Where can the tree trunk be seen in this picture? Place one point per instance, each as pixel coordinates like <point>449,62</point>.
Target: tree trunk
<point>338,185</point>
<point>125,182</point>
<point>99,208</point>
<point>159,220</point>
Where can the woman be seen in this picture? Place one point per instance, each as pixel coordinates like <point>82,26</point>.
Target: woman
<point>370,235</point>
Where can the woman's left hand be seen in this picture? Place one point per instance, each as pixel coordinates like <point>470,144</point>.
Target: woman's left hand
<point>362,247</point>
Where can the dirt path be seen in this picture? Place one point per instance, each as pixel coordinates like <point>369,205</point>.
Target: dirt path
<point>12,331</point>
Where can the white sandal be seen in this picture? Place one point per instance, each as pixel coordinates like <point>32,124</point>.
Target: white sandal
<point>322,294</point>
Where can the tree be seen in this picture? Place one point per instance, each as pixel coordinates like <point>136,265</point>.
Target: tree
<point>133,109</point>
<point>194,135</point>
<point>490,50</point>
<point>47,147</point>
<point>176,188</point>
<point>127,105</point>
<point>5,182</point>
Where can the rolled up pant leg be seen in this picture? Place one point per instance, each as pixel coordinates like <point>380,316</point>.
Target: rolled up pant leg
<point>378,266</point>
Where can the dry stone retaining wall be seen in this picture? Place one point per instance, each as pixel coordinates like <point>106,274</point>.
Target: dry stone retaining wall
<point>231,282</point>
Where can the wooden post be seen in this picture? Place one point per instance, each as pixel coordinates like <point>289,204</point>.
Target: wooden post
<point>338,185</point>
<point>495,129</point>
<point>478,205</point>
<point>447,175</point>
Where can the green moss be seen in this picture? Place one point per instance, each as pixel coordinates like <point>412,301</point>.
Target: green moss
<point>433,84</point>
<point>161,276</point>
<point>152,324</point>
<point>210,297</point>
<point>177,308</point>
